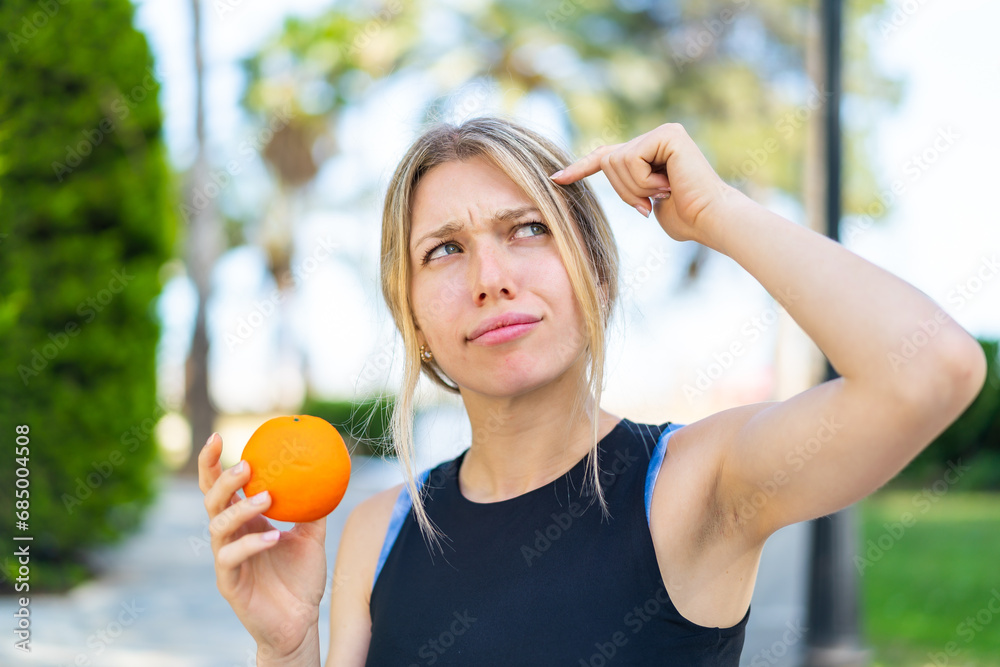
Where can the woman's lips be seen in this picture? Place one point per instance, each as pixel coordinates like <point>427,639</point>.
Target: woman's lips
<point>504,334</point>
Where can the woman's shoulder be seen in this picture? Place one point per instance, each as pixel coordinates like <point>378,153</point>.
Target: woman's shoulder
<point>369,521</point>
<point>645,435</point>
<point>375,511</point>
<point>380,502</point>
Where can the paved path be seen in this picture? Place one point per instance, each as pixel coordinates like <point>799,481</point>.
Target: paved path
<point>157,604</point>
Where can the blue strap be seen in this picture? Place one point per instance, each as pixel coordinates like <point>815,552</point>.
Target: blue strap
<point>399,512</point>
<point>655,461</point>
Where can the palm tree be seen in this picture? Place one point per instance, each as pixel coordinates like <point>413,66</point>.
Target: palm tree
<point>204,244</point>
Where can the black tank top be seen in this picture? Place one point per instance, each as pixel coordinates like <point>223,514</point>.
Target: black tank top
<point>539,579</point>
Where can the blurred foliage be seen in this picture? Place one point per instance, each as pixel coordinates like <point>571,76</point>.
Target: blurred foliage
<point>363,423</point>
<point>86,225</point>
<point>733,72</point>
<point>972,440</point>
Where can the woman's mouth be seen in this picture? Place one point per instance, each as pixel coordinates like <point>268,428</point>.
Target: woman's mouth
<point>504,334</point>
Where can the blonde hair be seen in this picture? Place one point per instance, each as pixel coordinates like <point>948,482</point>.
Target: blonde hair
<point>578,226</point>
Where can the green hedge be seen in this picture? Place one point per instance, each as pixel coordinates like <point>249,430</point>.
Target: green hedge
<point>85,225</point>
<point>364,423</point>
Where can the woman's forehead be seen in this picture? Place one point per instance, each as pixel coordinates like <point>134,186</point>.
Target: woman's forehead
<point>463,192</point>
<point>465,182</point>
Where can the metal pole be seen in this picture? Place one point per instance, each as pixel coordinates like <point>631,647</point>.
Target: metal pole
<point>833,637</point>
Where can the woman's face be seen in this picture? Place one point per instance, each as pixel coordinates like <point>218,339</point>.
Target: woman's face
<point>485,268</point>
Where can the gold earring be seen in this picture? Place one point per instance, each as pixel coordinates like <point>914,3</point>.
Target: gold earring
<point>425,354</point>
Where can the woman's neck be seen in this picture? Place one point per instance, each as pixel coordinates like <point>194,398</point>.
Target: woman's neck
<point>521,445</point>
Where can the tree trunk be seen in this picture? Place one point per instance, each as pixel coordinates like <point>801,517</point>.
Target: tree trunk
<point>203,247</point>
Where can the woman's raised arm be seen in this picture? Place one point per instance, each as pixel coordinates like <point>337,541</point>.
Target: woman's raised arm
<point>907,369</point>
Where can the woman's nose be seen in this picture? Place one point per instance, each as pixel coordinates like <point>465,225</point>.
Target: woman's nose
<point>492,274</point>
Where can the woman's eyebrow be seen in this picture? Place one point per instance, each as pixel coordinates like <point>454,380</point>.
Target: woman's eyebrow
<point>455,226</point>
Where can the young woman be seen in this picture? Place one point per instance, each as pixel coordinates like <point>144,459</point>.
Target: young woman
<point>566,535</point>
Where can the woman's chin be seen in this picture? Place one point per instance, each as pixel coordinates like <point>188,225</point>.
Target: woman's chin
<point>505,382</point>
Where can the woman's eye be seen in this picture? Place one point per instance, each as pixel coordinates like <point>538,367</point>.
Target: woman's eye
<point>538,225</point>
<point>433,252</point>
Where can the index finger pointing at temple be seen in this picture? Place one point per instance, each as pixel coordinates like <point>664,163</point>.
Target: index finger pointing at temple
<point>585,166</point>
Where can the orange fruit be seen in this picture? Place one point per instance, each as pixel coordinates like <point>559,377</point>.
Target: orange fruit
<point>303,462</point>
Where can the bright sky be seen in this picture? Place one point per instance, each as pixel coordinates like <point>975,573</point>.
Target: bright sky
<point>942,234</point>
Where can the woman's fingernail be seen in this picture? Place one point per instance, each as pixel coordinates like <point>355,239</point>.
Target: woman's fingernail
<point>209,439</point>
<point>642,209</point>
<point>239,467</point>
<point>270,536</point>
<point>557,174</point>
<point>661,195</point>
<point>664,189</point>
<point>258,498</point>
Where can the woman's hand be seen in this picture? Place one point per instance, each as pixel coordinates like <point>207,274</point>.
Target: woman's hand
<point>274,582</point>
<point>664,164</point>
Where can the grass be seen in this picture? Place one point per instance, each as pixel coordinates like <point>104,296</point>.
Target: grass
<point>930,572</point>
